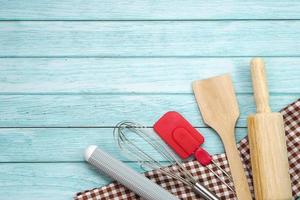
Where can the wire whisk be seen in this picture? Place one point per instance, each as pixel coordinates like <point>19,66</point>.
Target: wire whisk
<point>126,129</point>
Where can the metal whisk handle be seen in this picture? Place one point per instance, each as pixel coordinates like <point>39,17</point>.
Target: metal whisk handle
<point>125,175</point>
<point>204,192</point>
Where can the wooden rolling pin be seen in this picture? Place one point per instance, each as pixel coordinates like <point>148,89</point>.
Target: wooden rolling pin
<point>268,149</point>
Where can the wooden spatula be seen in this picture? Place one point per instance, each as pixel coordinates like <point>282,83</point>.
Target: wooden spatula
<point>219,108</point>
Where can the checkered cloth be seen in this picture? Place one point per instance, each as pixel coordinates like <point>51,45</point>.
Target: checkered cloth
<point>291,116</point>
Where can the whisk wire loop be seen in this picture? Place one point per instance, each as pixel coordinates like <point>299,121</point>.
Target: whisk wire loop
<point>144,158</point>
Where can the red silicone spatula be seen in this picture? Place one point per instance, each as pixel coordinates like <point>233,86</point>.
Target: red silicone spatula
<point>185,140</point>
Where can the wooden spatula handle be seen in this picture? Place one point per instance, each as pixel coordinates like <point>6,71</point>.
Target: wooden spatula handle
<point>236,168</point>
<point>260,88</point>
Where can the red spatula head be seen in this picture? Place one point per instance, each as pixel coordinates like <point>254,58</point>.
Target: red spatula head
<point>179,134</point>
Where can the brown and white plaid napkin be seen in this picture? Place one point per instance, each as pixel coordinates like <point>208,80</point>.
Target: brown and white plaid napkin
<point>291,116</point>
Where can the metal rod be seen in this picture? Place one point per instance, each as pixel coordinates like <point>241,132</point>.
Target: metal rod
<point>222,170</point>
<point>221,179</point>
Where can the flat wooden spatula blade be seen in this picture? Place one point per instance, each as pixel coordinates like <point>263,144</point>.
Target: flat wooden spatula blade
<point>217,101</point>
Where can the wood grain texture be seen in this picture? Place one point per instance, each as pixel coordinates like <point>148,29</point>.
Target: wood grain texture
<point>271,177</point>
<point>68,144</point>
<point>219,108</point>
<point>108,110</point>
<point>137,75</point>
<point>48,180</point>
<point>218,104</point>
<point>148,10</point>
<point>108,62</point>
<point>260,86</point>
<point>150,38</point>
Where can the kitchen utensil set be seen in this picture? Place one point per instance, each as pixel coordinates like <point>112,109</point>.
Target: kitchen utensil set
<point>123,133</point>
<point>219,108</point>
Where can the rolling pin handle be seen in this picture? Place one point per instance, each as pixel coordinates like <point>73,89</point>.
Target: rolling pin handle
<point>260,88</point>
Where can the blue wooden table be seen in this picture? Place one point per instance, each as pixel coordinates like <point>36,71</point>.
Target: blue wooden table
<point>71,69</point>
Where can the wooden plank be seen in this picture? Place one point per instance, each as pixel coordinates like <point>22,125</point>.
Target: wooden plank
<point>68,144</point>
<point>47,180</point>
<point>141,75</point>
<point>148,10</point>
<point>109,109</point>
<point>50,180</point>
<point>151,38</point>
